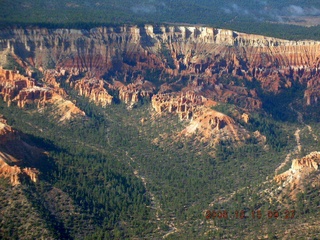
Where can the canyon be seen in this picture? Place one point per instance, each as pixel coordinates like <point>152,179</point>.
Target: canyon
<point>157,118</point>
<point>182,70</point>
<point>200,56</point>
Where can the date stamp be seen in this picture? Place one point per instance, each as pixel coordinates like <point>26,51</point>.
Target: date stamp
<point>251,214</point>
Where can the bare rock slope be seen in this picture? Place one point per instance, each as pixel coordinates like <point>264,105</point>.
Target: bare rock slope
<point>22,90</point>
<point>300,171</point>
<point>16,155</point>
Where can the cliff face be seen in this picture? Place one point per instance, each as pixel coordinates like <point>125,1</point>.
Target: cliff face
<point>133,92</point>
<point>204,53</point>
<point>93,89</point>
<point>162,63</point>
<point>10,166</point>
<point>23,90</point>
<point>299,171</point>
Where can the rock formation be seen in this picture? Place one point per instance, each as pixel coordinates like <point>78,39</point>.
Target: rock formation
<point>130,63</point>
<point>10,166</point>
<point>183,104</point>
<point>312,93</point>
<point>299,167</point>
<point>97,90</point>
<point>94,89</point>
<point>16,88</point>
<point>204,55</point>
<point>245,117</point>
<point>50,77</point>
<point>208,123</point>
<point>299,171</point>
<point>215,126</point>
<point>36,94</point>
<point>213,89</point>
<point>133,92</point>
<point>6,132</point>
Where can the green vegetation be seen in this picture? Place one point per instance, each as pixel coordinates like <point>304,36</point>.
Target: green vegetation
<point>165,54</point>
<point>19,218</point>
<point>12,64</point>
<point>93,161</point>
<point>112,176</point>
<point>260,17</point>
<point>84,168</point>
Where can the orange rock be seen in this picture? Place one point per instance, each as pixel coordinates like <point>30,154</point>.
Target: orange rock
<point>210,125</point>
<point>184,103</point>
<point>132,92</point>
<point>9,165</point>
<point>245,117</point>
<point>94,89</point>
<point>202,52</point>
<point>310,161</point>
<point>25,90</point>
<point>299,171</point>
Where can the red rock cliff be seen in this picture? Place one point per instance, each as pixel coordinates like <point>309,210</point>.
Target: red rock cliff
<point>16,88</point>
<point>204,53</point>
<point>94,89</point>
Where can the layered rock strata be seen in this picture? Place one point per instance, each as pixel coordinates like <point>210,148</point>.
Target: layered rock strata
<point>177,51</point>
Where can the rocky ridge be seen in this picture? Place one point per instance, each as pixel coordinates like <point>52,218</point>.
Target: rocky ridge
<point>10,166</point>
<point>22,90</point>
<point>299,171</point>
<point>94,89</point>
<point>133,92</point>
<point>131,63</point>
<point>184,104</point>
<point>176,50</point>
<point>97,90</point>
<point>206,122</point>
